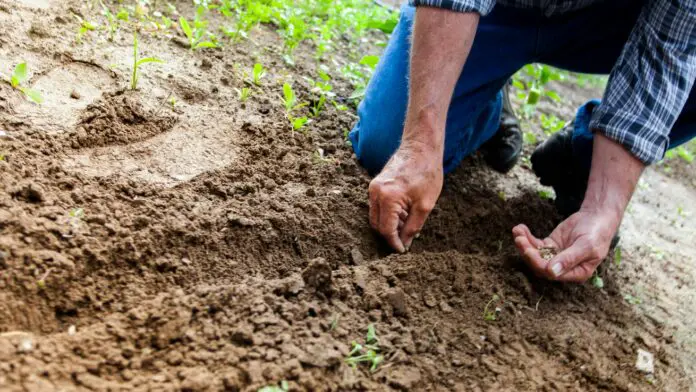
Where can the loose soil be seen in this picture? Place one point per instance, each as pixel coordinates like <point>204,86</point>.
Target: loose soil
<point>204,246</point>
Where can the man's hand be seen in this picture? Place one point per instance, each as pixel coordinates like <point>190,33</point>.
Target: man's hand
<point>584,238</point>
<point>404,193</point>
<point>583,241</point>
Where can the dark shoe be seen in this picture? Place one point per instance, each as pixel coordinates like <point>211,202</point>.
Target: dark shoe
<point>503,150</point>
<point>553,162</point>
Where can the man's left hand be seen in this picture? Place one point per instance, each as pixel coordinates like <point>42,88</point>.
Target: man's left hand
<point>582,242</point>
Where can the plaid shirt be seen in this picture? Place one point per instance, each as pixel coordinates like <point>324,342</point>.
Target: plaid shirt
<point>651,79</point>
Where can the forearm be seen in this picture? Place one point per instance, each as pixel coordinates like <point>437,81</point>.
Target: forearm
<point>613,178</point>
<point>440,45</point>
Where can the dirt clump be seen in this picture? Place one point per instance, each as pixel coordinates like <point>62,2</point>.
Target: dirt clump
<point>119,118</point>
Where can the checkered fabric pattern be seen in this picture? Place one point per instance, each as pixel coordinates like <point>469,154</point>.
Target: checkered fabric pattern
<point>651,79</point>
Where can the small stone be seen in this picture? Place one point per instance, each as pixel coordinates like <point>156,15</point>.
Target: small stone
<point>75,95</point>
<point>445,308</point>
<point>26,345</point>
<point>317,275</point>
<point>356,256</point>
<point>72,330</point>
<point>645,362</point>
<point>429,300</point>
<point>397,299</point>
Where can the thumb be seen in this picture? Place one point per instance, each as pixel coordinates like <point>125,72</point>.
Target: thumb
<point>415,221</point>
<point>567,260</point>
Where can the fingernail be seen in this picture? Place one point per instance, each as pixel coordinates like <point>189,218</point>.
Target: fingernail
<point>557,269</point>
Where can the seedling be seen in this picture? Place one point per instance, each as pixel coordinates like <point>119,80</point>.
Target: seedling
<point>85,26</point>
<point>366,353</point>
<point>258,73</point>
<point>290,99</point>
<point>41,283</point>
<point>685,154</point>
<point>19,76</point>
<point>243,94</point>
<point>545,194</point>
<point>530,138</point>
<point>551,124</point>
<point>137,63</point>
<point>492,314</point>
<point>195,34</point>
<point>597,281</point>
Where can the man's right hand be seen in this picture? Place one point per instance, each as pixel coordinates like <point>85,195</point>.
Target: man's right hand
<point>404,193</point>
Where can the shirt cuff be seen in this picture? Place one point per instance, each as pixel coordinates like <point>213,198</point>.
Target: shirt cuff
<point>631,131</point>
<point>482,7</point>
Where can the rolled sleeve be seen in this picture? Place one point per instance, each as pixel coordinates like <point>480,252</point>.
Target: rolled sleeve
<point>483,7</point>
<point>651,80</point>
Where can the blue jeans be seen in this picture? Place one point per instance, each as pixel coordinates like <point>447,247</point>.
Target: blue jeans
<point>586,41</point>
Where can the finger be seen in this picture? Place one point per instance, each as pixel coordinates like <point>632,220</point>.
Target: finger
<point>389,225</point>
<point>579,274</point>
<point>568,259</point>
<point>523,230</point>
<point>414,223</point>
<point>531,255</point>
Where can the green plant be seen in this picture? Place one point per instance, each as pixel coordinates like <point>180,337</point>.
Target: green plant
<point>85,26</point>
<point>17,79</point>
<point>243,94</point>
<point>597,281</point>
<point>530,138</point>
<point>366,353</point>
<point>258,73</point>
<point>290,99</point>
<point>138,62</point>
<point>551,124</point>
<point>491,315</point>
<point>685,154</point>
<point>196,33</point>
<point>545,194</point>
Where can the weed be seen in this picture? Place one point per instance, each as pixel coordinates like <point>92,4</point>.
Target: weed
<point>19,76</point>
<point>258,73</point>
<point>366,353</point>
<point>172,101</point>
<point>137,63</point>
<point>491,315</point>
<point>243,94</point>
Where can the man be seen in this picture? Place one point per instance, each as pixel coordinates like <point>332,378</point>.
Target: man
<point>436,98</point>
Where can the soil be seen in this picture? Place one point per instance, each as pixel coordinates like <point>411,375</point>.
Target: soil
<point>204,246</point>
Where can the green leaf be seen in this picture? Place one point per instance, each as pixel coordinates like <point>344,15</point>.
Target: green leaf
<point>545,194</point>
<point>32,95</point>
<point>533,96</point>
<point>553,95</point>
<point>205,44</point>
<point>545,75</point>
<point>148,60</point>
<point>299,122</point>
<point>517,84</point>
<point>186,27</point>
<point>122,15</point>
<point>530,138</point>
<point>19,75</point>
<point>370,61</point>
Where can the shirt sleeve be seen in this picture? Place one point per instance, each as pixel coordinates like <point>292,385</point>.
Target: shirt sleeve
<point>651,80</point>
<point>483,7</point>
